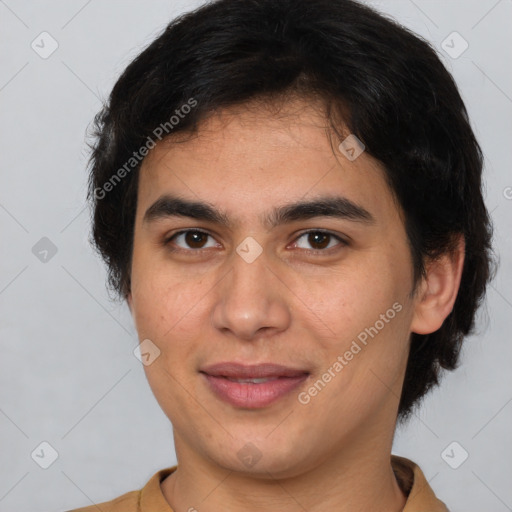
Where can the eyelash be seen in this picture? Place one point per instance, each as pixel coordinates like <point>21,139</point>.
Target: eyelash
<point>342,243</point>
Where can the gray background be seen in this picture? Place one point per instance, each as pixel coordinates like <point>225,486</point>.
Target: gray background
<point>68,375</point>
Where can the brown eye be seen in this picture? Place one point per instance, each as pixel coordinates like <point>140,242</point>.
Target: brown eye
<point>195,239</point>
<point>319,240</point>
<point>190,239</point>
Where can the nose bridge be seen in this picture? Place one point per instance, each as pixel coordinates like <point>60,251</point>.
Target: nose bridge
<point>249,277</point>
<point>250,299</point>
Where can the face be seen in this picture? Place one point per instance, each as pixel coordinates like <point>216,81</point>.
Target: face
<point>251,278</point>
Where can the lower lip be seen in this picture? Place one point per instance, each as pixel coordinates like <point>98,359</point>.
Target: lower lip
<point>253,396</point>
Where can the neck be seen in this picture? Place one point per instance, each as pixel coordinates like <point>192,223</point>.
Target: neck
<point>359,477</point>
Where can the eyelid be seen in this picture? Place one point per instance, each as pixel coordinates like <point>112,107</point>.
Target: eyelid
<point>340,239</point>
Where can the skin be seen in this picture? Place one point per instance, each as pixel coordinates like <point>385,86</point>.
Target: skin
<point>293,306</point>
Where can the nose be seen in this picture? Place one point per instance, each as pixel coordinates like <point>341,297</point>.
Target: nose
<point>252,301</point>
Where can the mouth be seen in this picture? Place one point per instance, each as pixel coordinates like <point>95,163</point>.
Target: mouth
<point>252,386</point>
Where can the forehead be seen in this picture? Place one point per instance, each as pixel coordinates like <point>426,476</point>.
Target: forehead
<point>247,158</point>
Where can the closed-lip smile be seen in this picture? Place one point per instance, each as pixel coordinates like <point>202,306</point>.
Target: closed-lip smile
<point>252,386</point>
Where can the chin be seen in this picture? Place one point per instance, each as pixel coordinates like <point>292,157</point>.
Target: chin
<point>260,457</point>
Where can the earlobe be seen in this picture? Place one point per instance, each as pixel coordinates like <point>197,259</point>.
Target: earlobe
<point>438,290</point>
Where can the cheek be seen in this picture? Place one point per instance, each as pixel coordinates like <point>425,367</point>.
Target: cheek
<point>363,370</point>
<point>167,310</point>
<point>350,299</point>
<point>367,312</point>
<point>164,298</point>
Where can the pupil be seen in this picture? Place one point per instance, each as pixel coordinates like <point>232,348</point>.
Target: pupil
<point>317,238</point>
<point>193,239</point>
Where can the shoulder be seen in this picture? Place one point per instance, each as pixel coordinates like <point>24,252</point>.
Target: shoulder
<point>147,499</point>
<point>126,503</point>
<point>420,496</point>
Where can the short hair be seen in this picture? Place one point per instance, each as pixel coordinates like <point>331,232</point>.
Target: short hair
<point>383,83</point>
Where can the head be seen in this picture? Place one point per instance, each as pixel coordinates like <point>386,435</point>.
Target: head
<point>235,114</point>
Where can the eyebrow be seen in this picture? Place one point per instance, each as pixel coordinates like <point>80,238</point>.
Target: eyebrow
<point>328,206</point>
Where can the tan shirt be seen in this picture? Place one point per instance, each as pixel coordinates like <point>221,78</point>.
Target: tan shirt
<point>421,498</point>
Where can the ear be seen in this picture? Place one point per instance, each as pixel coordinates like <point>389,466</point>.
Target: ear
<point>437,292</point>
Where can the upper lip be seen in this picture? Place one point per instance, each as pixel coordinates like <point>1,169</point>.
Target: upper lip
<point>253,371</point>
